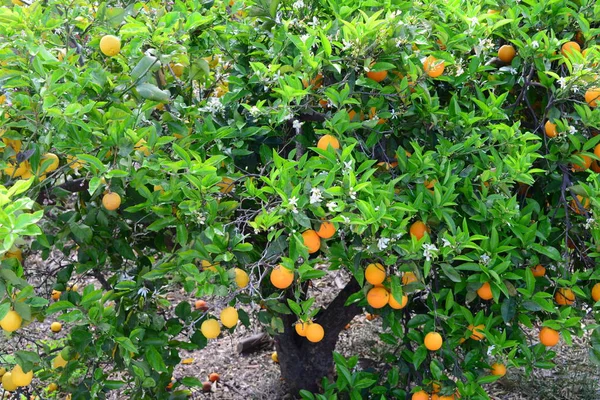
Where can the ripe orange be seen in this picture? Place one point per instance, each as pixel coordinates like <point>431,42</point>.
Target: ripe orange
<point>420,395</point>
<point>549,337</point>
<point>564,297</point>
<point>229,317</point>
<point>315,332</point>
<point>595,166</point>
<point>210,328</point>
<point>375,274</point>
<point>275,357</point>
<point>326,141</point>
<point>569,48</point>
<point>214,377</point>
<point>11,321</point>
<point>597,150</point>
<point>7,382</point>
<point>111,201</point>
<point>592,97</point>
<point>550,129</point>
<point>580,209</point>
<point>301,327</point>
<point>377,76</point>
<point>418,229</point>
<point>477,332</point>
<point>538,271</point>
<point>110,45</point>
<point>352,115</point>
<point>326,230</point>
<point>281,277</point>
<point>201,305</point>
<point>370,317</point>
<point>506,53</point>
<point>311,240</point>
<point>485,291</point>
<point>21,378</point>
<point>408,277</point>
<point>56,327</point>
<point>378,297</point>
<point>316,82</point>
<point>433,67</point>
<point>433,341</point>
<point>373,114</point>
<point>395,305</point>
<point>226,185</point>
<point>585,165</point>
<point>498,369</point>
<point>241,278</point>
<point>596,292</point>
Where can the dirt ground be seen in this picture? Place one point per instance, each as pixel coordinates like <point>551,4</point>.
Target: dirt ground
<point>256,376</point>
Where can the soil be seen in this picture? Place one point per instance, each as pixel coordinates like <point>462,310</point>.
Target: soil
<point>256,376</point>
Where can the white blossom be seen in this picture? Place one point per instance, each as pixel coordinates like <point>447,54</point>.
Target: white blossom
<point>484,259</point>
<point>143,291</point>
<point>304,38</point>
<point>394,114</point>
<point>535,44</point>
<point>490,350</point>
<point>297,125</point>
<point>589,223</point>
<point>446,242</point>
<point>315,195</point>
<point>429,251</point>
<point>213,106</point>
<point>572,130</point>
<point>346,219</point>
<point>575,89</point>
<point>382,243</point>
<point>298,4</point>
<point>352,194</point>
<point>562,82</point>
<point>474,21</point>
<point>293,201</point>
<point>332,205</point>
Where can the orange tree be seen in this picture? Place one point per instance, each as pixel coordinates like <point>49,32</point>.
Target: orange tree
<point>443,158</point>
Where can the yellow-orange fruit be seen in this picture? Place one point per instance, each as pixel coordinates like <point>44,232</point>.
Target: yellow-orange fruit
<point>485,291</point>
<point>418,229</point>
<point>315,332</point>
<point>328,140</point>
<point>550,129</point>
<point>538,271</point>
<point>564,297</point>
<point>569,48</point>
<point>378,297</point>
<point>281,277</point>
<point>395,305</point>
<point>326,230</point>
<point>375,274</point>
<point>433,67</point>
<point>506,53</point>
<point>433,341</point>
<point>549,337</point>
<point>311,240</point>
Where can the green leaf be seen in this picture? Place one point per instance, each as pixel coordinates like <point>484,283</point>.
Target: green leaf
<point>155,359</point>
<point>152,92</point>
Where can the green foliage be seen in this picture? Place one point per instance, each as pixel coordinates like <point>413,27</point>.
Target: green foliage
<point>218,168</point>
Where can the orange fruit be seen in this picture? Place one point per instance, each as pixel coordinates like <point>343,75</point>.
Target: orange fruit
<point>375,274</point>
<point>596,292</point>
<point>373,114</point>
<point>592,97</point>
<point>433,67</point>
<point>408,277</point>
<point>595,166</point>
<point>214,377</point>
<point>498,369</point>
<point>55,327</point>
<point>377,76</point>
<point>301,328</point>
<point>549,337</point>
<point>477,332</point>
<point>21,378</point>
<point>538,271</point>
<point>326,141</point>
<point>282,277</point>
<point>229,317</point>
<point>378,297</point>
<point>550,129</point>
<point>580,209</point>
<point>201,305</point>
<point>226,185</point>
<point>275,357</point>
<point>210,328</point>
<point>55,295</point>
<point>326,230</point>
<point>585,165</point>
<point>420,395</point>
<point>597,150</point>
<point>241,277</point>
<point>506,53</point>
<point>564,297</point>
<point>395,305</point>
<point>418,229</point>
<point>352,115</point>
<point>485,291</point>
<point>311,240</point>
<point>111,201</point>
<point>433,341</point>
<point>316,82</point>
<point>315,333</point>
<point>569,48</point>
<point>110,45</point>
<point>11,321</point>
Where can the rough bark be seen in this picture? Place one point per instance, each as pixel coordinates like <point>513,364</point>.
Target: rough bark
<point>304,364</point>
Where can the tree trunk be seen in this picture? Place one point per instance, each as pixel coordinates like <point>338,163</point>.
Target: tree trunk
<point>304,364</point>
